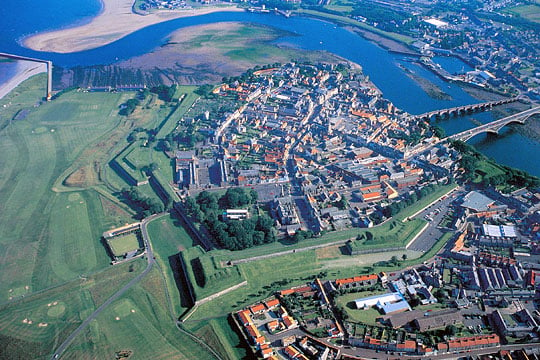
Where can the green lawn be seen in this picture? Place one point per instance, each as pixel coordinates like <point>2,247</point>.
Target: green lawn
<point>124,244</point>
<point>43,241</point>
<point>367,316</point>
<point>32,327</point>
<point>139,322</point>
<point>168,238</point>
<point>530,12</point>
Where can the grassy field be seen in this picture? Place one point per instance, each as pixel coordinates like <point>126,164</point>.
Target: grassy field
<point>124,244</point>
<point>530,12</point>
<point>30,328</point>
<point>50,237</point>
<point>219,334</point>
<point>168,239</point>
<point>139,322</point>
<point>23,96</point>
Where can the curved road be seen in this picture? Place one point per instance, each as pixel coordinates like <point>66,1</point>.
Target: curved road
<point>150,256</point>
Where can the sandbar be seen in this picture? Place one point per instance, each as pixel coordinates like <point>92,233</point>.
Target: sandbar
<point>115,21</point>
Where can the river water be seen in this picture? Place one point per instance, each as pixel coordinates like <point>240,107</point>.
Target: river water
<point>26,17</point>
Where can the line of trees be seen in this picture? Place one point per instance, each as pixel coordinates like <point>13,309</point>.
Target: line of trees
<point>408,199</point>
<point>144,205</point>
<point>207,209</point>
<point>471,161</point>
<point>164,92</point>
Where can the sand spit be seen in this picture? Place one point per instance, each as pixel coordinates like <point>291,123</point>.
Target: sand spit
<point>114,22</point>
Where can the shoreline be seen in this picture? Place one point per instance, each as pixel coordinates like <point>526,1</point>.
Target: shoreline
<point>24,71</point>
<point>115,21</point>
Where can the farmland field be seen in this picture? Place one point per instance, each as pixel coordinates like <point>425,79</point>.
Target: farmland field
<point>530,12</point>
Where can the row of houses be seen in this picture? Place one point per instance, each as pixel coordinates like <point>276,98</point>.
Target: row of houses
<point>413,347</point>
<point>252,329</point>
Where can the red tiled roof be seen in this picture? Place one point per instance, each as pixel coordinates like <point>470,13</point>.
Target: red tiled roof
<point>272,303</point>
<point>340,282</point>
<point>244,317</point>
<point>256,308</point>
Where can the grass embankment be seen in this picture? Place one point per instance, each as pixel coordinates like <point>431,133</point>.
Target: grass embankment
<point>139,322</point>
<point>188,97</point>
<point>348,21</point>
<point>219,334</point>
<point>168,238</point>
<point>206,275</point>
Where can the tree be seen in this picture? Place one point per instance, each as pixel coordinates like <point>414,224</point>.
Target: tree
<point>204,90</point>
<point>451,330</point>
<point>404,257</point>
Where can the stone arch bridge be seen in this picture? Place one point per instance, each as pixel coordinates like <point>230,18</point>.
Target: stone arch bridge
<point>463,110</point>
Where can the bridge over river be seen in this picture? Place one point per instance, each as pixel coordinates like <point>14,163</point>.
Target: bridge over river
<point>495,126</point>
<point>464,109</point>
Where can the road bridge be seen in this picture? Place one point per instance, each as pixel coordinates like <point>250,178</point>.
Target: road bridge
<point>495,126</point>
<point>463,110</point>
<point>48,95</point>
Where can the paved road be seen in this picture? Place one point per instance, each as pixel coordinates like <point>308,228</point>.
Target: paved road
<point>372,354</point>
<point>425,241</point>
<point>150,256</point>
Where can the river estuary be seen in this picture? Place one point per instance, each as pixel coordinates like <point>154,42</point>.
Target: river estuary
<point>385,69</point>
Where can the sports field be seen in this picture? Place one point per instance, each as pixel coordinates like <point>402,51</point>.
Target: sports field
<point>123,244</point>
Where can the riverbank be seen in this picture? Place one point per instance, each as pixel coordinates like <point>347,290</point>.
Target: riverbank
<point>25,70</point>
<point>115,21</point>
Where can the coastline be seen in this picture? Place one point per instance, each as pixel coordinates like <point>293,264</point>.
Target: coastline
<point>25,70</point>
<point>115,21</point>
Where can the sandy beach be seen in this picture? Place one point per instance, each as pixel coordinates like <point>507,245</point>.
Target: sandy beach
<point>25,70</point>
<point>114,22</point>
